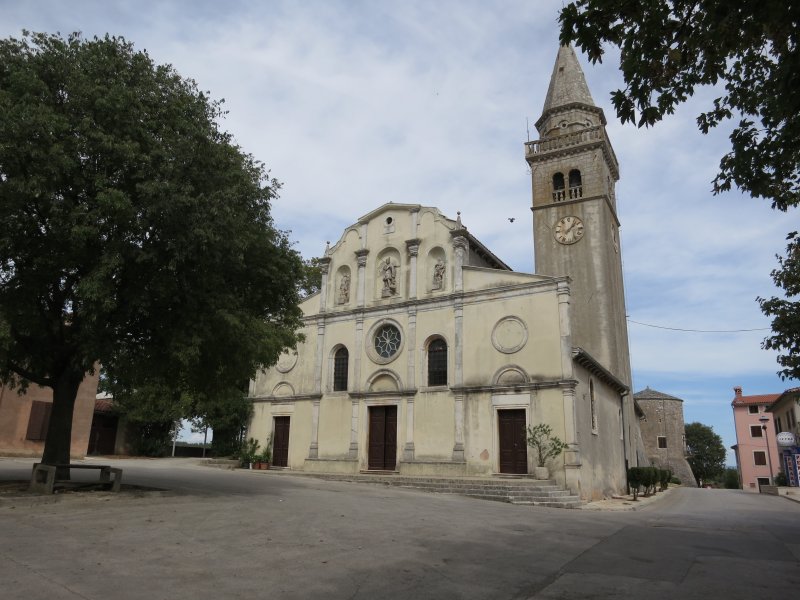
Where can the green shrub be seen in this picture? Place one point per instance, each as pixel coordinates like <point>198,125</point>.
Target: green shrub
<point>730,479</point>
<point>540,437</point>
<point>249,450</point>
<point>781,479</point>
<point>635,480</point>
<point>649,479</point>
<point>664,475</point>
<point>674,480</point>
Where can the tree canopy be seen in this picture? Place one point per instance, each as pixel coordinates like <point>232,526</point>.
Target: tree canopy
<point>748,49</point>
<point>134,232</point>
<point>706,452</point>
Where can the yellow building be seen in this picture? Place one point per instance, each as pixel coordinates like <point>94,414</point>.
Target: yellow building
<point>425,354</point>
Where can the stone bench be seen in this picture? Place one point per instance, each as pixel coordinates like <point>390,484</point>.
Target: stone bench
<point>43,477</point>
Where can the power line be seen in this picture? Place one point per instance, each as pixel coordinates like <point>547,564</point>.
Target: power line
<point>698,330</point>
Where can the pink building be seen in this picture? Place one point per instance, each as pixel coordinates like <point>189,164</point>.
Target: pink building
<point>756,448</point>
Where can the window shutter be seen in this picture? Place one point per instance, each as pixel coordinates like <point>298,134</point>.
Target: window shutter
<point>39,420</point>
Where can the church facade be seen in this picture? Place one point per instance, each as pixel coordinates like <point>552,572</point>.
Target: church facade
<point>425,354</point>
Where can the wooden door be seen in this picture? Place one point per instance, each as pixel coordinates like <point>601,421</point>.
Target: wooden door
<point>280,442</point>
<point>382,438</point>
<point>513,446</point>
<point>103,434</point>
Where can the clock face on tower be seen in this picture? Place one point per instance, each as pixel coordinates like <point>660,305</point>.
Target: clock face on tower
<point>569,230</point>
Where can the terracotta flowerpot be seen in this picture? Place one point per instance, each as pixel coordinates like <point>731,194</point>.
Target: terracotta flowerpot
<point>541,473</point>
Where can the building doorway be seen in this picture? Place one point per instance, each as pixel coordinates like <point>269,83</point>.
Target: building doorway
<point>280,442</point>
<point>513,445</point>
<point>382,438</point>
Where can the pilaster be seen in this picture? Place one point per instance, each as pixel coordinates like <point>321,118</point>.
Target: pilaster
<point>324,267</point>
<point>572,455</point>
<point>353,451</point>
<point>361,259</point>
<point>313,451</point>
<point>320,354</point>
<point>412,247</point>
<point>461,247</point>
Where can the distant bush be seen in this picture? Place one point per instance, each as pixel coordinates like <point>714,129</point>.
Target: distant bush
<point>635,480</point>
<point>781,479</point>
<point>675,480</point>
<point>664,475</point>
<point>730,478</point>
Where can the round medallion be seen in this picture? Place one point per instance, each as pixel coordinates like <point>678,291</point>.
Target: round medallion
<point>286,361</point>
<point>509,335</point>
<point>568,230</point>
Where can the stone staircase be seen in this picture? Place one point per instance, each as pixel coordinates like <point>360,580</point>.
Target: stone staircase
<point>516,490</point>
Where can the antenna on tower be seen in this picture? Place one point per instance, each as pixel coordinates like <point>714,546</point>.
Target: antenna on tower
<point>528,128</point>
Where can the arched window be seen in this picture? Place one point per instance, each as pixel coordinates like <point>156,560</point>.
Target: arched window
<point>558,187</point>
<point>575,185</point>
<point>340,360</point>
<point>437,362</point>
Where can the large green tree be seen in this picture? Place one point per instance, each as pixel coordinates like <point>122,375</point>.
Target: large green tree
<point>748,49</point>
<point>706,452</point>
<point>134,233</point>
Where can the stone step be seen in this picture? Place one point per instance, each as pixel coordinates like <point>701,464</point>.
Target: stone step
<point>572,503</point>
<point>516,490</point>
<point>473,485</point>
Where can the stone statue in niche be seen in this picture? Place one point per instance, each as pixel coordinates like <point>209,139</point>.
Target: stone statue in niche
<point>344,289</point>
<point>438,275</point>
<point>389,275</point>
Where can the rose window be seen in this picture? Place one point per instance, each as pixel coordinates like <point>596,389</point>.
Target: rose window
<point>387,341</point>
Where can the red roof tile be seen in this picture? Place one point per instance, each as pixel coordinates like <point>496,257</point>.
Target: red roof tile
<point>759,399</point>
<point>103,405</point>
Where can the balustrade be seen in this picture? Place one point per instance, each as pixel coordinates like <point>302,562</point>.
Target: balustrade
<point>564,141</point>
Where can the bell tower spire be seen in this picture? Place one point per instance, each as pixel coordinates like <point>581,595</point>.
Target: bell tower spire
<point>567,83</point>
<point>575,225</point>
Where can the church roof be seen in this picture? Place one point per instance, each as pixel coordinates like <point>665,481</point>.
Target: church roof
<point>567,83</point>
<point>648,394</point>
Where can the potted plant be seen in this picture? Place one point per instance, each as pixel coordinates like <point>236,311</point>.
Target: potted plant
<point>248,452</point>
<point>540,438</point>
<point>264,459</point>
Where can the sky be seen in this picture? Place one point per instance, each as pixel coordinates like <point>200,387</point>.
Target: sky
<point>352,104</point>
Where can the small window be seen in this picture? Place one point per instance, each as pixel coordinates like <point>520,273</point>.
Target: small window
<point>753,409</point>
<point>760,458</point>
<point>559,193</point>
<point>437,362</point>
<point>39,421</point>
<point>575,186</point>
<point>778,425</point>
<point>755,431</point>
<point>593,406</point>
<point>762,480</point>
<point>662,441</point>
<point>340,360</point>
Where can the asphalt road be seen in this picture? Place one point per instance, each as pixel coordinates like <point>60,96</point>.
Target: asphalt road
<point>238,534</point>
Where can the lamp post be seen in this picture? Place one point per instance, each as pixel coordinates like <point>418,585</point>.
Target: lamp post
<point>764,419</point>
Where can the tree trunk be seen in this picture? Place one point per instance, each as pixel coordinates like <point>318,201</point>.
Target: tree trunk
<point>59,431</point>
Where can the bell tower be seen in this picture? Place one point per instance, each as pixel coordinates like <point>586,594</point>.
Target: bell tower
<point>575,225</point>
